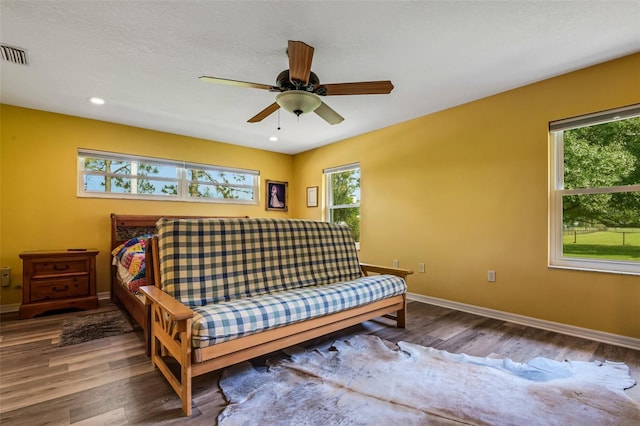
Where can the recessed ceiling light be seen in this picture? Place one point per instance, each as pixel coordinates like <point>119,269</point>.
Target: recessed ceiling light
<point>97,101</point>
<point>273,138</point>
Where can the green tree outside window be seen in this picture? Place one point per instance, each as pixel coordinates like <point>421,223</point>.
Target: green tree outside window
<point>344,202</point>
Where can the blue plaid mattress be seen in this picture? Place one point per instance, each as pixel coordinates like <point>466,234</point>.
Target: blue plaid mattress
<point>204,261</point>
<point>220,322</point>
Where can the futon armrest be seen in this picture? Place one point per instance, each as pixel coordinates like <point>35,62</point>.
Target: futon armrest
<point>166,302</point>
<point>378,269</point>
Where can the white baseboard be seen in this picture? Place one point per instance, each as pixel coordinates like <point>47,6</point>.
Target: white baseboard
<point>5,309</point>
<point>570,330</point>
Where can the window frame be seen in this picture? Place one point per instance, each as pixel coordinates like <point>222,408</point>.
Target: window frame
<point>181,180</point>
<point>557,192</point>
<point>329,206</point>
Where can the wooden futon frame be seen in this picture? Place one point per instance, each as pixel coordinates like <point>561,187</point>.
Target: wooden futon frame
<point>171,328</point>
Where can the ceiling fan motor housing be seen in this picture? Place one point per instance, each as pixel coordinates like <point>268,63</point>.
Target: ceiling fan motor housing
<point>285,83</point>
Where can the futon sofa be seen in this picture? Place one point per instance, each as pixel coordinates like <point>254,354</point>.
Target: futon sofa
<point>228,290</point>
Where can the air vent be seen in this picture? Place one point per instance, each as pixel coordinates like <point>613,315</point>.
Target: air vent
<point>14,54</point>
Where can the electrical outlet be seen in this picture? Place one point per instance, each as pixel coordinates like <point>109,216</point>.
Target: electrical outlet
<point>6,276</point>
<point>396,264</point>
<point>491,276</point>
<point>421,268</point>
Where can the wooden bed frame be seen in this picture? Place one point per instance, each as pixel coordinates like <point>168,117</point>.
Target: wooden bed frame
<point>124,227</point>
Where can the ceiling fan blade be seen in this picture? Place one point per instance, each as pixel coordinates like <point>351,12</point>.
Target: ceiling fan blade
<point>238,83</point>
<point>300,57</point>
<point>264,113</point>
<point>328,114</point>
<point>382,87</point>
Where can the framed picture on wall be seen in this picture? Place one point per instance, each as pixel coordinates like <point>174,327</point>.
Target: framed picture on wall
<point>277,194</point>
<point>312,196</point>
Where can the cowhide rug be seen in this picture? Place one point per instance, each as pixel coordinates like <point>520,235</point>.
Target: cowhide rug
<point>365,380</point>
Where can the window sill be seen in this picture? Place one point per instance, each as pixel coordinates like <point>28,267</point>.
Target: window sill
<point>601,267</point>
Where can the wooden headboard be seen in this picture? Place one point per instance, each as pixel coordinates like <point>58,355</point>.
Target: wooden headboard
<point>124,227</point>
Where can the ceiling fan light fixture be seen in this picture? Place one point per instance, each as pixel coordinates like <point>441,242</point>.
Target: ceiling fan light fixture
<point>298,101</point>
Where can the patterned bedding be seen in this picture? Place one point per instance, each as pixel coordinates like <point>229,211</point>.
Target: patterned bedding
<point>130,260</point>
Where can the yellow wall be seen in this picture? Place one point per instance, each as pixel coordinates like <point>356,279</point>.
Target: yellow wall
<point>39,209</point>
<point>463,190</point>
<point>466,190</point>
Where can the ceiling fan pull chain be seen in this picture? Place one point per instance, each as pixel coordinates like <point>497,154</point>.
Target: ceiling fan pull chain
<point>278,119</point>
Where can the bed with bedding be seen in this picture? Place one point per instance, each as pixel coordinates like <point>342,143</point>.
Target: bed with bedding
<point>129,236</point>
<point>128,250</point>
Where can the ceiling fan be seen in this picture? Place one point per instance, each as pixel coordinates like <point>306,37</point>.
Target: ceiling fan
<point>300,88</point>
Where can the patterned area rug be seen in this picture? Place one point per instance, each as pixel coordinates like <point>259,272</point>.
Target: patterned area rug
<point>365,380</point>
<point>94,326</point>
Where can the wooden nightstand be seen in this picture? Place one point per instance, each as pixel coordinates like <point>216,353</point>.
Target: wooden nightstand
<point>58,280</point>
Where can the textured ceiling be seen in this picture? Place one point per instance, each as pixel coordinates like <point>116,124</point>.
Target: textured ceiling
<point>144,58</point>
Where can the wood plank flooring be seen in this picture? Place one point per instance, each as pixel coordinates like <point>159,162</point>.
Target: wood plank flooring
<point>111,382</point>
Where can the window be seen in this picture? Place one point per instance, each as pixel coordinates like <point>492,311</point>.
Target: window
<point>343,197</point>
<point>595,193</point>
<point>107,175</point>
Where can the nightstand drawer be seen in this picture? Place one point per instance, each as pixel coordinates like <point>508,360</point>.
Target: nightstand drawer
<point>59,288</point>
<point>58,267</point>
